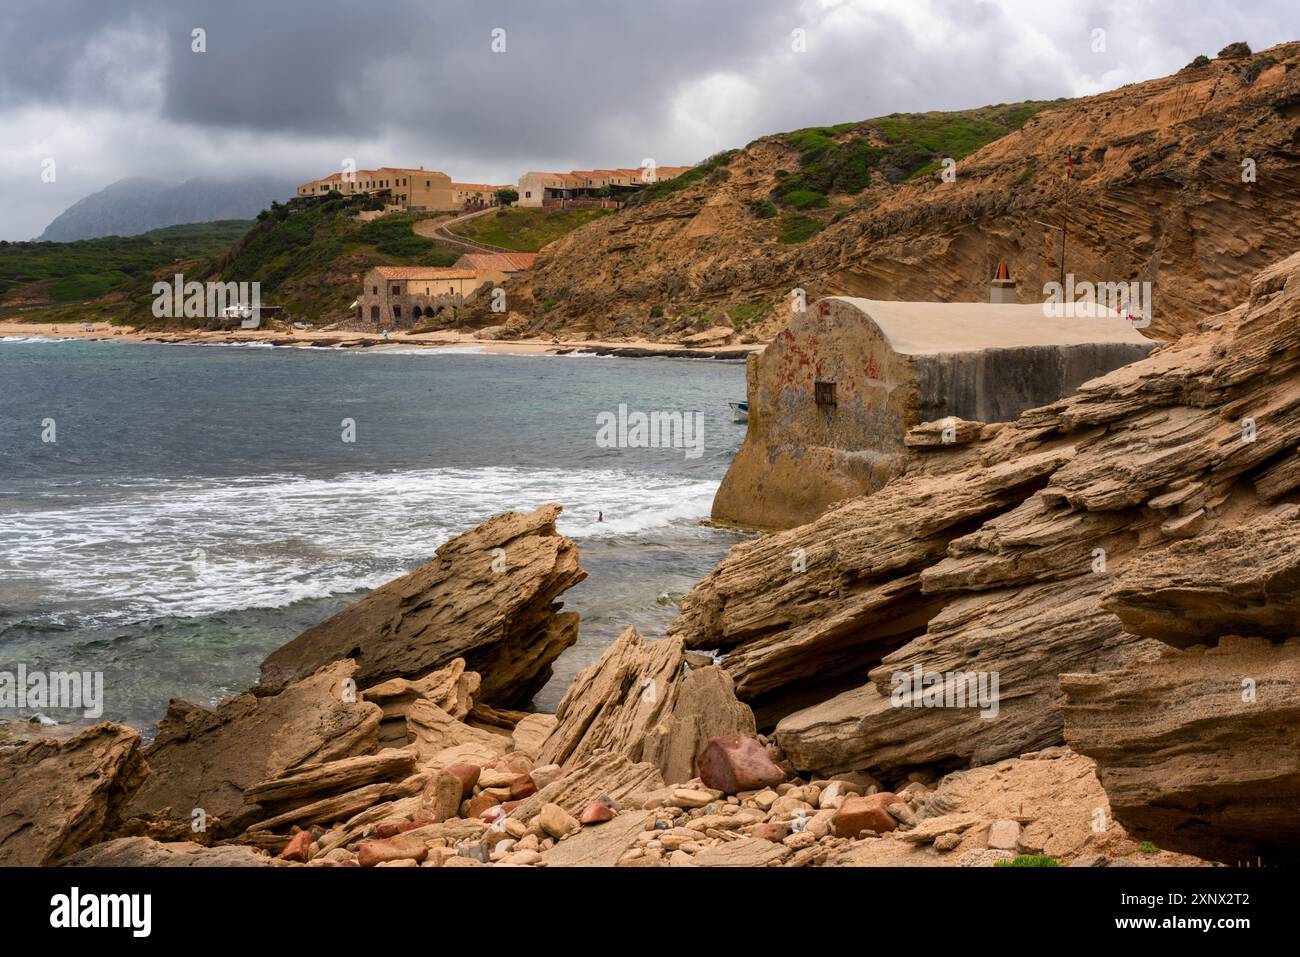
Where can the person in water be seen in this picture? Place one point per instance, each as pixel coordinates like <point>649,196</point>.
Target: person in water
<point>600,516</point>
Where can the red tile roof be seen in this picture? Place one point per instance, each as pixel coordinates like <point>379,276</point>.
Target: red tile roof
<point>424,272</point>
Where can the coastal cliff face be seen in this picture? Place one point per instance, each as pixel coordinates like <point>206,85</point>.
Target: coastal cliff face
<point>1156,193</point>
<point>1049,549</point>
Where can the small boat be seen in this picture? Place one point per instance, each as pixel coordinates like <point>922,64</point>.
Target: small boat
<point>739,411</point>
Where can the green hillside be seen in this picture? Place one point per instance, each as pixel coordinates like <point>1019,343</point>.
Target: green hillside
<point>43,273</point>
<point>525,230</point>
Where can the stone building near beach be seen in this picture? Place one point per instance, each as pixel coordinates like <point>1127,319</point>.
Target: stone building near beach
<point>832,398</point>
<point>397,296</point>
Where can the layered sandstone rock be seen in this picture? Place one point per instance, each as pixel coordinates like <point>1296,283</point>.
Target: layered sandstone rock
<point>1199,747</point>
<point>204,759</point>
<point>59,796</point>
<point>1010,556</point>
<point>644,701</point>
<point>489,598</point>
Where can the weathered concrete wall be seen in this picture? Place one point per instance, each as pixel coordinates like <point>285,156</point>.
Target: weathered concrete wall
<point>799,457</point>
<point>999,384</point>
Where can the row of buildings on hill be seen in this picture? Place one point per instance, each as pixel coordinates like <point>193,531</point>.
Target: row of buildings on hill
<point>424,190</point>
<point>398,296</point>
<point>414,189</point>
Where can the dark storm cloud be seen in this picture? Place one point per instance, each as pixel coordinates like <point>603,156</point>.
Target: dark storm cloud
<point>112,88</point>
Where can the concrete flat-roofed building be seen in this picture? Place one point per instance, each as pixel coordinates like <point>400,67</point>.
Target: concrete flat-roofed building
<point>590,186</point>
<point>833,396</point>
<point>396,296</point>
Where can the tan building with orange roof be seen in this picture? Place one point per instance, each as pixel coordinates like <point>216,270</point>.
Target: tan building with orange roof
<point>395,296</point>
<point>587,186</point>
<point>415,189</point>
<point>468,195</point>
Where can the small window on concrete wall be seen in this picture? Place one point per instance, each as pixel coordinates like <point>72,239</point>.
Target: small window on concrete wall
<point>824,393</point>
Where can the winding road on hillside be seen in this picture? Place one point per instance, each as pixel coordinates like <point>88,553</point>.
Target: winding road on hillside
<point>440,232</point>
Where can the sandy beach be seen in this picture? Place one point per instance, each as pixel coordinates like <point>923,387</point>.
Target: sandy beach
<point>351,339</point>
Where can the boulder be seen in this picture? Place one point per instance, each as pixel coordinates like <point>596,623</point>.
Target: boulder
<point>1003,835</point>
<point>731,763</point>
<point>441,798</point>
<point>57,797</point>
<point>858,814</point>
<point>204,758</point>
<point>530,734</point>
<point>1199,749</point>
<point>705,706</point>
<point>489,597</point>
<point>311,782</point>
<point>404,847</point>
<point>556,822</point>
<point>613,705</point>
<point>597,812</point>
<point>433,731</point>
<point>298,850</point>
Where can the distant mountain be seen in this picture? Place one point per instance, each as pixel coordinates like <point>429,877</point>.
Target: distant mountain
<point>137,205</point>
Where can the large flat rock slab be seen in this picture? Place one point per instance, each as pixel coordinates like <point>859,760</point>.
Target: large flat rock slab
<point>488,597</point>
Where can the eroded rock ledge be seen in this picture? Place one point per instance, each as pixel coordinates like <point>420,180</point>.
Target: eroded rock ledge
<point>1027,553</point>
<point>489,597</point>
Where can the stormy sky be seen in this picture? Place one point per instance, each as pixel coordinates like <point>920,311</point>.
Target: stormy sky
<point>113,88</point>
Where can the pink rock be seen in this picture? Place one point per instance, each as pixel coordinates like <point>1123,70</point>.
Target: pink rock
<point>298,847</point>
<point>399,827</point>
<point>596,812</point>
<point>774,831</point>
<point>732,763</point>
<point>468,776</point>
<point>522,787</point>
<point>400,848</point>
<point>858,814</point>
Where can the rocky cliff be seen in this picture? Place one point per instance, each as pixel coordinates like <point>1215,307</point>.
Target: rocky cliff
<point>1152,511</point>
<point>1187,182</point>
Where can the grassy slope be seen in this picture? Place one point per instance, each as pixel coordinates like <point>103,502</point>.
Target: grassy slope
<point>308,259</point>
<point>526,230</point>
<point>54,273</point>
<point>839,162</point>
